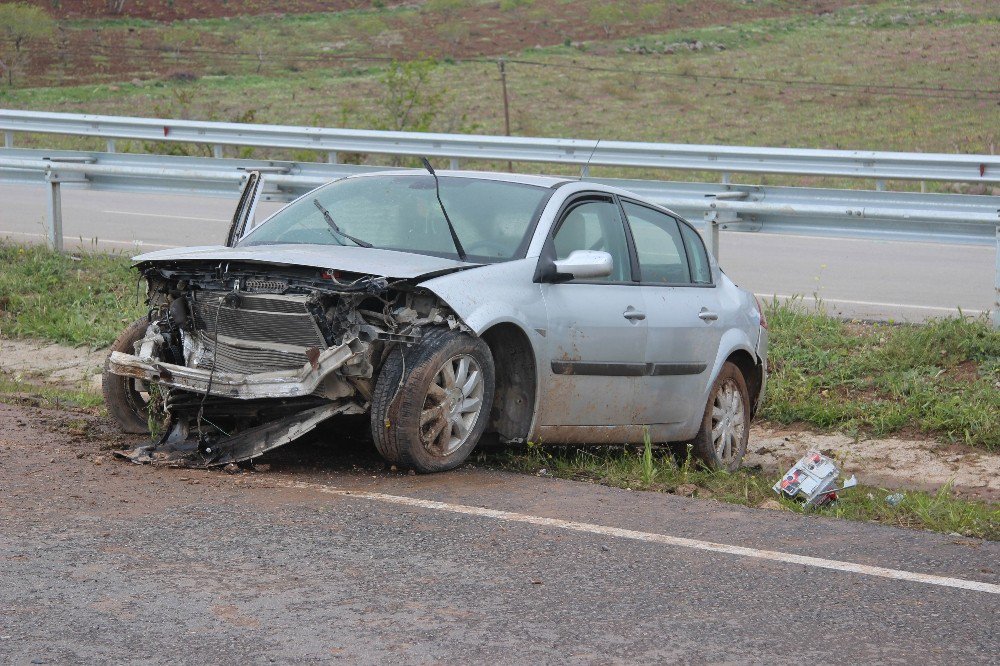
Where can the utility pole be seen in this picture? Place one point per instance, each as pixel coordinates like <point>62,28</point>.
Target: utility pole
<point>506,105</point>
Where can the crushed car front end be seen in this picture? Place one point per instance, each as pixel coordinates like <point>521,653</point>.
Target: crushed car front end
<point>246,356</point>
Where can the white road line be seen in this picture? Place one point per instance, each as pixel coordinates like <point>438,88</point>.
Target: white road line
<point>169,217</point>
<point>650,537</point>
<point>69,239</point>
<point>875,303</point>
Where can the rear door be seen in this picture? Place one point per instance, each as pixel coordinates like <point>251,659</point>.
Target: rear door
<point>684,330</point>
<point>596,334</point>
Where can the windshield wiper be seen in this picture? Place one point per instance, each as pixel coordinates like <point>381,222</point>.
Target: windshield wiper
<point>336,229</point>
<point>451,227</point>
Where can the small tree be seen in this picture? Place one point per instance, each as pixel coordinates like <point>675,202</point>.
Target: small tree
<point>408,102</point>
<point>21,25</point>
<point>116,6</point>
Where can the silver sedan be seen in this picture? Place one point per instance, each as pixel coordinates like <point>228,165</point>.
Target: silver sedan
<point>447,306</point>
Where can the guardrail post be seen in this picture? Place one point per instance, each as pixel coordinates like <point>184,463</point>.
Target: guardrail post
<point>111,145</point>
<point>712,232</point>
<point>217,151</point>
<point>55,239</point>
<point>454,164</point>
<point>996,287</point>
<point>332,157</point>
<point>880,185</point>
<point>8,139</point>
<point>725,177</point>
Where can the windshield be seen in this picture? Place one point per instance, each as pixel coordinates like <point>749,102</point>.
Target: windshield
<point>401,212</point>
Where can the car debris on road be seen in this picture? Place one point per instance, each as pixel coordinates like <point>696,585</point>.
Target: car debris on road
<point>813,480</point>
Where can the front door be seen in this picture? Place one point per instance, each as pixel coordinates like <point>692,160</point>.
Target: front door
<point>596,334</point>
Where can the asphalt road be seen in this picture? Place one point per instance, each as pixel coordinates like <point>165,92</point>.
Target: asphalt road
<point>860,278</point>
<point>328,557</point>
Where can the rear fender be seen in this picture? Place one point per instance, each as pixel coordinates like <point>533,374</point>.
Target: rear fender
<point>732,341</point>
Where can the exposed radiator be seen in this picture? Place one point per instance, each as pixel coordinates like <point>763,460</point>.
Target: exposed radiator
<point>258,333</point>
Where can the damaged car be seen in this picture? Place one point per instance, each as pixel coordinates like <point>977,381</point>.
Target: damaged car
<point>447,307</point>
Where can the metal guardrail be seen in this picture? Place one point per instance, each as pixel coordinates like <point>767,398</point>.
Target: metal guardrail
<point>765,209</point>
<point>880,166</point>
<point>808,211</point>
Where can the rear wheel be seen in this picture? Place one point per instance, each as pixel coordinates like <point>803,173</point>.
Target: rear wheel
<point>722,440</point>
<point>127,398</point>
<point>432,401</point>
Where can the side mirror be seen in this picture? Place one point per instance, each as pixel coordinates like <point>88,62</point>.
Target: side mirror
<point>583,264</point>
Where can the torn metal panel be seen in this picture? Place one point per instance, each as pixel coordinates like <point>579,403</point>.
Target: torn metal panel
<point>179,449</point>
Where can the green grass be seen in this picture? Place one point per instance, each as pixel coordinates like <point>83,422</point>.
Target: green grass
<point>19,392</point>
<point>658,470</point>
<point>941,378</point>
<point>85,298</point>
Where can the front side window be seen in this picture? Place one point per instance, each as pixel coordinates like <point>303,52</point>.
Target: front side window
<point>659,246</point>
<point>595,225</point>
<point>400,212</point>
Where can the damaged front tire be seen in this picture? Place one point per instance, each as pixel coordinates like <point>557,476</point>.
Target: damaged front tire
<point>126,397</point>
<point>432,401</point>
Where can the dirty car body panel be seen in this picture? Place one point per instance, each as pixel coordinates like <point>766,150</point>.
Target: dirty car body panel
<point>603,315</point>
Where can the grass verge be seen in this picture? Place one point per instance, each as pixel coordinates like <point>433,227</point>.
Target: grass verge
<point>645,468</point>
<point>941,378</point>
<point>85,298</point>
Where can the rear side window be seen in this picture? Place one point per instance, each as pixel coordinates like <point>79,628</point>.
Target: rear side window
<point>701,271</point>
<point>658,244</point>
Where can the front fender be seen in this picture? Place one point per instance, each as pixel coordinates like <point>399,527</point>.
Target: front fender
<point>496,293</point>
<point>500,294</point>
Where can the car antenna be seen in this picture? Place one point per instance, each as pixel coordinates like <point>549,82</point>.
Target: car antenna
<point>585,171</point>
<point>451,227</point>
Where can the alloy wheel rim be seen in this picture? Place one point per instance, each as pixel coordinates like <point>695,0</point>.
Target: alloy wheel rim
<point>452,406</point>
<point>728,420</point>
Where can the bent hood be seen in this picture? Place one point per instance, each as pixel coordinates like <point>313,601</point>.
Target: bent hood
<point>349,258</point>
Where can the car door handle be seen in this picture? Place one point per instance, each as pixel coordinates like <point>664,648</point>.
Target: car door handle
<point>634,315</point>
<point>705,315</point>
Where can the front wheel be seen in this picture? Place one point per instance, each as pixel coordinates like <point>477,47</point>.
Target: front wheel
<point>722,440</point>
<point>432,401</point>
<point>127,398</point>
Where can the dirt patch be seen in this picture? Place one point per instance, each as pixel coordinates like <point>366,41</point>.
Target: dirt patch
<point>890,462</point>
<point>59,365</point>
<point>170,10</point>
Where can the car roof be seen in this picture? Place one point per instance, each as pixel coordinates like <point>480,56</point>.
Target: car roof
<point>523,179</point>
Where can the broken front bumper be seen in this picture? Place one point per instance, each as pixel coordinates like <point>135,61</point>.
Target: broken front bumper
<point>313,377</point>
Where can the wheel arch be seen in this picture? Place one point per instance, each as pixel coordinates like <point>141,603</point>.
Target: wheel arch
<point>515,392</point>
<point>753,373</point>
